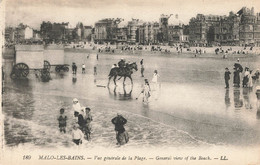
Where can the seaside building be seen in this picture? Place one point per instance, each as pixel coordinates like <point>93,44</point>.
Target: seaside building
<point>257,30</point>
<point>87,31</point>
<point>178,34</point>
<point>133,31</point>
<point>148,33</point>
<point>226,31</point>
<point>22,32</point>
<point>163,26</point>
<point>201,31</point>
<point>53,32</point>
<point>121,34</point>
<point>105,30</point>
<point>79,32</point>
<point>246,26</point>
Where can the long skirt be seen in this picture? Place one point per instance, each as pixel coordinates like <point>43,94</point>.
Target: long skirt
<point>236,79</point>
<point>122,138</point>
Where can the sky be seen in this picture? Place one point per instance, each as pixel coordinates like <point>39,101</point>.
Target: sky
<point>33,12</point>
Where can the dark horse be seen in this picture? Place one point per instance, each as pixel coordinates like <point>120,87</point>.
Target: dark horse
<point>124,72</point>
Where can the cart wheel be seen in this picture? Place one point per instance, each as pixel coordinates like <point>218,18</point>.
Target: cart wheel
<point>46,65</point>
<point>20,70</point>
<point>57,69</point>
<point>66,69</point>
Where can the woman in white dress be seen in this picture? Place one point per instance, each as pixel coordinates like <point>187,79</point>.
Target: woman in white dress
<point>76,105</point>
<point>155,80</point>
<point>250,80</point>
<point>146,91</point>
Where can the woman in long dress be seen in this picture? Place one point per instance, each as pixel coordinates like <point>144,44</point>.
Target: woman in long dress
<point>155,80</point>
<point>146,91</point>
<point>236,80</point>
<point>250,80</point>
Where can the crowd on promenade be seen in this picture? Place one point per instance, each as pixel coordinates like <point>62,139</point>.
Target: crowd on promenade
<point>175,48</point>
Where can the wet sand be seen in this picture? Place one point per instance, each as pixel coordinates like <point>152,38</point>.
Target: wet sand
<point>193,108</point>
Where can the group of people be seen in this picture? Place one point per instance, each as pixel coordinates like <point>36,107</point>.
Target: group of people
<point>146,90</point>
<point>247,78</point>
<point>82,126</point>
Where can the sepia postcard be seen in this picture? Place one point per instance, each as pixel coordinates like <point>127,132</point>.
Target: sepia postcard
<point>130,82</point>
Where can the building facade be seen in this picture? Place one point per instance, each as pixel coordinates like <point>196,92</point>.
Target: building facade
<point>163,26</point>
<point>133,31</point>
<point>105,30</point>
<point>246,26</point>
<point>201,29</point>
<point>87,31</point>
<point>257,30</point>
<point>148,33</point>
<point>226,31</point>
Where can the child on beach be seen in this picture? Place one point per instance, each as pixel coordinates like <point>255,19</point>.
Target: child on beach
<point>155,79</point>
<point>88,119</point>
<point>146,91</point>
<point>77,135</point>
<point>227,77</point>
<point>83,68</point>
<point>62,121</point>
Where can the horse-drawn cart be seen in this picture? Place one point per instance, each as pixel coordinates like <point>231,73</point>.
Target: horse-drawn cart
<point>29,58</point>
<point>21,70</point>
<point>58,67</point>
<point>34,58</point>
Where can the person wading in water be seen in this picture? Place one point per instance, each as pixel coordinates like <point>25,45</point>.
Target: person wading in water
<point>121,134</point>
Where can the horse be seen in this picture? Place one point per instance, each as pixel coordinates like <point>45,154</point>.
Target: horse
<point>122,72</point>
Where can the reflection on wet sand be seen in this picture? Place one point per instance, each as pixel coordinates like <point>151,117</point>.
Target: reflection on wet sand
<point>238,102</point>
<point>258,114</point>
<point>227,99</point>
<point>120,95</point>
<point>246,96</point>
<point>258,103</point>
<point>74,79</point>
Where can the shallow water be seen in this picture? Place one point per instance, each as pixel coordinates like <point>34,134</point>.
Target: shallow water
<point>190,107</point>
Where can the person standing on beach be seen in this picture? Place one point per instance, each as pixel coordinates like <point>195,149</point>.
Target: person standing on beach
<point>142,67</point>
<point>142,62</point>
<point>250,80</point>
<point>62,121</point>
<point>77,135</point>
<point>155,79</point>
<point>83,68</point>
<point>142,70</point>
<point>97,56</point>
<point>95,70</point>
<point>121,134</point>
<point>245,78</point>
<point>236,80</point>
<point>80,121</point>
<point>74,68</point>
<point>227,77</point>
<point>88,126</point>
<point>76,105</point>
<point>146,91</point>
